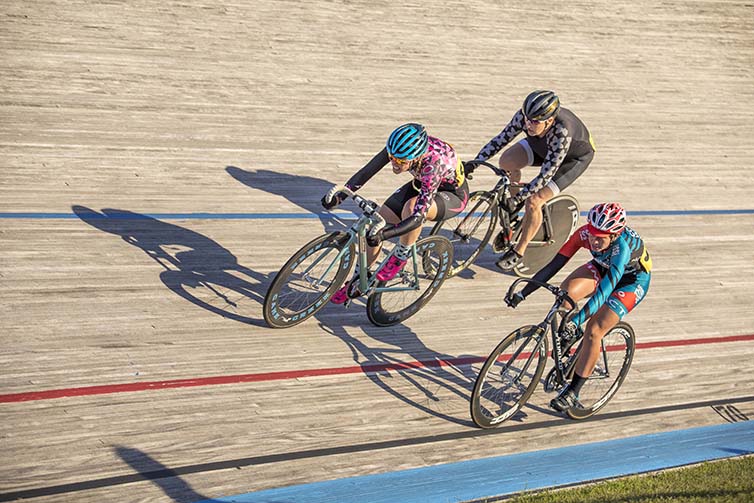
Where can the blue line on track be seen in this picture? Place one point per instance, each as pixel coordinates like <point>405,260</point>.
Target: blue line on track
<point>294,216</point>
<point>470,480</point>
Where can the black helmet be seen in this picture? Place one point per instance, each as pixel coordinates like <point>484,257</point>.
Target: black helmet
<point>541,105</point>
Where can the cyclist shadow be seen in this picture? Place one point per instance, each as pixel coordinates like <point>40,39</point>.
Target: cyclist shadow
<point>168,480</point>
<point>431,382</point>
<point>196,268</point>
<point>303,191</point>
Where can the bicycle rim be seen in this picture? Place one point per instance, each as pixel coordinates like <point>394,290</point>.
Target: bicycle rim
<point>413,287</point>
<point>308,280</point>
<point>612,367</point>
<point>564,217</point>
<point>508,377</point>
<point>469,231</point>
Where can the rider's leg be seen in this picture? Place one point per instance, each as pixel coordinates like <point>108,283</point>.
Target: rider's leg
<point>514,160</point>
<point>565,176</point>
<point>391,218</point>
<point>411,237</point>
<point>580,283</point>
<point>341,296</point>
<point>400,256</point>
<point>532,218</point>
<point>622,301</point>
<point>596,328</point>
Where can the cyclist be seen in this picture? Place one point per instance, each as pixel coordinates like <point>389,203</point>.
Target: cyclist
<point>437,191</point>
<point>557,141</point>
<point>617,278</point>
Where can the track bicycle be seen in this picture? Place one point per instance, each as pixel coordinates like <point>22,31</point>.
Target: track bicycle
<point>512,371</point>
<point>305,284</point>
<point>471,230</point>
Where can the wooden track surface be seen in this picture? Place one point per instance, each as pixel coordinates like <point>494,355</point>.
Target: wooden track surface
<point>114,109</point>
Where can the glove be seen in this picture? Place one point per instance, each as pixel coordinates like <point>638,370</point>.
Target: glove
<point>514,300</point>
<point>375,239</point>
<point>570,331</point>
<point>333,198</point>
<point>468,168</point>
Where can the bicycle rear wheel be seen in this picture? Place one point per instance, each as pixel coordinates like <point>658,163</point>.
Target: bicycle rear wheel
<point>469,231</point>
<point>509,377</point>
<point>308,280</point>
<point>413,287</point>
<point>564,217</point>
<point>618,347</point>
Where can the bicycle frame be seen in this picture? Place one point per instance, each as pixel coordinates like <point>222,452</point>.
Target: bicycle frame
<point>552,325</point>
<point>501,192</point>
<point>370,221</point>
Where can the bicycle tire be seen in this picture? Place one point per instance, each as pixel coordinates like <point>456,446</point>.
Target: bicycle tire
<point>434,256</point>
<point>564,216</point>
<point>284,309</point>
<point>469,235</point>
<point>490,407</point>
<point>600,388</point>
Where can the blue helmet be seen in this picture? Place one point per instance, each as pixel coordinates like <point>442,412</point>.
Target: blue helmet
<point>408,141</point>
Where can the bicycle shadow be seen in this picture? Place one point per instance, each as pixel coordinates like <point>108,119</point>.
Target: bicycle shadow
<point>169,482</point>
<point>440,388</point>
<point>195,267</point>
<point>301,190</point>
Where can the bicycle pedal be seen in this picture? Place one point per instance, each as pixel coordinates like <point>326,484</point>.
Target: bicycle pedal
<point>502,243</point>
<point>353,291</point>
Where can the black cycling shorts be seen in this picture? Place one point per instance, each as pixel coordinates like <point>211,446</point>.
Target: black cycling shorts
<point>569,171</point>
<point>449,202</point>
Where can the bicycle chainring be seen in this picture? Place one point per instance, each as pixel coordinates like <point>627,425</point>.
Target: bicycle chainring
<point>552,383</point>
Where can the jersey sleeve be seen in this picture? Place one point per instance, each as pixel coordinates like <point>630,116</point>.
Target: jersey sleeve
<point>362,176</point>
<point>430,182</point>
<point>577,240</point>
<point>618,261</point>
<point>510,131</point>
<point>557,148</point>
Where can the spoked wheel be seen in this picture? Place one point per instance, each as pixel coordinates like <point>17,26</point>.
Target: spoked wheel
<point>469,231</point>
<point>308,280</point>
<point>414,286</point>
<point>618,347</point>
<point>509,377</point>
<point>564,217</point>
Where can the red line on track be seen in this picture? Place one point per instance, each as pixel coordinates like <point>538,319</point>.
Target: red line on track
<point>295,374</point>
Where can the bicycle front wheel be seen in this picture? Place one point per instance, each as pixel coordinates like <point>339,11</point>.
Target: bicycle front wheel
<point>562,211</point>
<point>402,297</point>
<point>509,377</point>
<point>469,231</point>
<point>308,280</point>
<point>618,347</point>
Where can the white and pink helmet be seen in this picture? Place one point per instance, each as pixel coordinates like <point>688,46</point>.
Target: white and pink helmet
<point>606,219</point>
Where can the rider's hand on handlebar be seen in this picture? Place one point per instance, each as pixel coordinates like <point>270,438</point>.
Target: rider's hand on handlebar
<point>514,300</point>
<point>333,198</point>
<point>468,169</point>
<point>375,239</point>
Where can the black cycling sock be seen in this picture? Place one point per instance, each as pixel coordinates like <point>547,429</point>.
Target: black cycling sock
<point>577,383</point>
